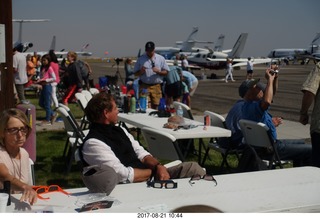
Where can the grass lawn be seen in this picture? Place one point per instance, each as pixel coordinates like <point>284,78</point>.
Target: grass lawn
<point>50,166</point>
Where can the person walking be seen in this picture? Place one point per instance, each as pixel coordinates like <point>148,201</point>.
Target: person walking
<point>229,70</point>
<point>249,68</point>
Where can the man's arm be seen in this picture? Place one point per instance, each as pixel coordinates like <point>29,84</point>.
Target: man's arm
<point>268,93</point>
<point>307,100</point>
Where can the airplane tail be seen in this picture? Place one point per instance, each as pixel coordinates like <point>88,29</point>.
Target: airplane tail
<point>189,42</point>
<point>53,44</point>
<point>316,40</point>
<point>219,44</point>
<point>238,46</point>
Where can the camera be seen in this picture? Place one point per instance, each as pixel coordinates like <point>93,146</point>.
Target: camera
<point>118,60</point>
<point>272,72</point>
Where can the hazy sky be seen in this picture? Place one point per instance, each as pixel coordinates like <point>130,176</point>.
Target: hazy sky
<point>121,27</point>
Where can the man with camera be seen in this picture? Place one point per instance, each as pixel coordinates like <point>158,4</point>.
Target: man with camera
<point>151,68</point>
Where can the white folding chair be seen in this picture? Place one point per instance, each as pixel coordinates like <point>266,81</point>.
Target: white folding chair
<point>82,101</point>
<point>162,145</point>
<point>31,173</point>
<point>94,91</point>
<point>219,121</point>
<point>87,94</point>
<point>186,110</point>
<point>74,141</point>
<point>69,129</point>
<point>257,135</point>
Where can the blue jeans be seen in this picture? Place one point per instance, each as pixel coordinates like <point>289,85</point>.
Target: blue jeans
<point>315,140</point>
<point>45,100</point>
<point>296,150</point>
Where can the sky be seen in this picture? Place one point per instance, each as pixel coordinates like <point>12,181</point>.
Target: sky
<point>122,27</point>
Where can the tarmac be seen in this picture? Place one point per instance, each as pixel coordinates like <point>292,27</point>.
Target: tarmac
<point>217,96</point>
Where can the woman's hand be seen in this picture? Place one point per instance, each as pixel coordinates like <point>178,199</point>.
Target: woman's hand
<point>29,195</point>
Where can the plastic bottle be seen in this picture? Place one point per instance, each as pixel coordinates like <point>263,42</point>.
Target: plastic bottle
<point>133,104</point>
<point>180,111</point>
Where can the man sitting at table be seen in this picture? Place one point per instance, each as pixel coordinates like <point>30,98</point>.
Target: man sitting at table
<point>110,155</point>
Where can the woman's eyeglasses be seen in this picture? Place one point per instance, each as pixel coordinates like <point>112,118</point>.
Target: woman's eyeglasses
<point>159,184</point>
<point>13,131</point>
<point>46,189</point>
<point>204,177</point>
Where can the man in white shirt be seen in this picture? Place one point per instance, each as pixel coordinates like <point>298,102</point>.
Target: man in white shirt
<point>20,74</point>
<point>249,68</point>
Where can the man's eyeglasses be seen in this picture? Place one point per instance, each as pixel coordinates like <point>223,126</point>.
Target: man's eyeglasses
<point>12,131</point>
<point>46,189</point>
<point>159,184</point>
<point>204,177</point>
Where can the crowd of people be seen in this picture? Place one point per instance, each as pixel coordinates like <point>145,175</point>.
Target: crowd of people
<point>46,75</point>
<point>110,154</point>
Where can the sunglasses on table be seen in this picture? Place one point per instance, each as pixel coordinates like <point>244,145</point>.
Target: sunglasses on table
<point>159,184</point>
<point>46,189</point>
<point>204,177</point>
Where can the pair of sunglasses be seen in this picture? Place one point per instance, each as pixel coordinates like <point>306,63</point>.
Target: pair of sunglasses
<point>204,177</point>
<point>46,189</point>
<point>159,184</point>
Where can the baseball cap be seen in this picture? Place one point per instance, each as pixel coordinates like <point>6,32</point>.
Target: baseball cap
<point>150,46</point>
<point>246,85</point>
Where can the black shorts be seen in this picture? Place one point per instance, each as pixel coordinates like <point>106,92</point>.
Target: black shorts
<point>173,90</point>
<point>249,71</point>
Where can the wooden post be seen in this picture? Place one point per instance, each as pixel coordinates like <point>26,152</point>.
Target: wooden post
<point>6,77</point>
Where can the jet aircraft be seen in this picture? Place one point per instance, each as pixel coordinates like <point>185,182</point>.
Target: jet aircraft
<point>24,46</point>
<point>312,52</point>
<point>217,60</point>
<point>182,46</point>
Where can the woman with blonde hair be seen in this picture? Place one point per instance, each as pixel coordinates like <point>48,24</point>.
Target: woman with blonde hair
<point>14,159</point>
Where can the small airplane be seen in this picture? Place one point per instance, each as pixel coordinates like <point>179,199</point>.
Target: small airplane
<point>312,52</point>
<point>62,53</point>
<point>217,60</point>
<point>24,46</point>
<point>182,46</point>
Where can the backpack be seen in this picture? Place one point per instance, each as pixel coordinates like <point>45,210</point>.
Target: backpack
<point>83,69</point>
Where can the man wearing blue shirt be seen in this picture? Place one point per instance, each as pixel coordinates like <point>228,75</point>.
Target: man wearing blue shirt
<point>256,109</point>
<point>151,68</point>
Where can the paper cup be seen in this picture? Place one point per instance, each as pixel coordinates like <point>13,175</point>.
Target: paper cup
<point>3,202</point>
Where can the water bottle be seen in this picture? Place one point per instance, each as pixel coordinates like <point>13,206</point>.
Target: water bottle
<point>133,104</point>
<point>180,111</point>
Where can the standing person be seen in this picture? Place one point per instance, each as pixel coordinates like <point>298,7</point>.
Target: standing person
<point>14,159</point>
<point>111,155</point>
<point>54,64</point>
<point>173,86</point>
<point>192,83</point>
<point>128,68</point>
<point>20,74</point>
<point>31,73</point>
<point>229,70</point>
<point>311,93</point>
<point>74,77</point>
<point>184,62</point>
<point>256,109</point>
<point>151,68</point>
<point>47,76</point>
<point>86,71</point>
<point>249,68</point>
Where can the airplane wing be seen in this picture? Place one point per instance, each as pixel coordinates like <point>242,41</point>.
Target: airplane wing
<point>242,61</point>
<point>193,67</point>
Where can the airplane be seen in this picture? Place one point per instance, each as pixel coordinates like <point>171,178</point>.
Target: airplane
<point>182,46</point>
<point>24,46</point>
<point>312,52</point>
<point>62,53</point>
<point>217,60</point>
